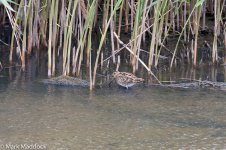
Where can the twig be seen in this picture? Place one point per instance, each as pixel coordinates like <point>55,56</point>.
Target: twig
<point>4,43</point>
<point>160,56</point>
<point>168,81</point>
<point>191,79</point>
<point>12,66</point>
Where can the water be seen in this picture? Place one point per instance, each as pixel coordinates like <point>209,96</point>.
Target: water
<point>111,118</point>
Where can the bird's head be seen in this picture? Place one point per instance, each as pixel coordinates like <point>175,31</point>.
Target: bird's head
<point>114,74</point>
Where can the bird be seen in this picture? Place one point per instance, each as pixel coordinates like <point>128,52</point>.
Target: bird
<point>126,79</point>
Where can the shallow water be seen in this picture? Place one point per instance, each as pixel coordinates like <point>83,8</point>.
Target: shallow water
<point>111,118</point>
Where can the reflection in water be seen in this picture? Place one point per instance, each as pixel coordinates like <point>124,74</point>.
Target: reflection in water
<point>111,118</point>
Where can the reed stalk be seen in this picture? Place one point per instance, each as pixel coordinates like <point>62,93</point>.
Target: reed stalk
<point>105,17</point>
<point>36,39</point>
<point>24,42</point>
<point>50,38</point>
<point>54,34</point>
<point>120,22</point>
<point>90,58</point>
<point>132,13</point>
<point>154,32</point>
<point>69,36</point>
<point>112,34</point>
<point>198,4</point>
<point>15,33</point>
<point>162,12</point>
<point>126,16</point>
<point>137,29</point>
<point>82,41</point>
<point>43,22</point>
<point>116,7</point>
<point>217,20</point>
<point>197,16</point>
<point>30,30</point>
<point>71,23</point>
<point>184,20</point>
<point>66,36</point>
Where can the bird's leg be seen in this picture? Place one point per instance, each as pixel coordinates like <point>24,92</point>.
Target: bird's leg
<point>109,84</point>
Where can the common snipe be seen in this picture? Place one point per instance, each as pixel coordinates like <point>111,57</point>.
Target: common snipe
<point>126,79</point>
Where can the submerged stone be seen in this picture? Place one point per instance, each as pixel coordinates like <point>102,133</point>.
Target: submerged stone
<point>66,81</point>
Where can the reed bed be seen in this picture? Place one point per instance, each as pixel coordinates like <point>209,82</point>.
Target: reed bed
<point>67,29</point>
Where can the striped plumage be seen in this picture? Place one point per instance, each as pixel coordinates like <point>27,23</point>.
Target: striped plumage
<point>126,79</point>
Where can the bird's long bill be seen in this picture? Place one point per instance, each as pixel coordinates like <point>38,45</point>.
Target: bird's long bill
<point>138,80</point>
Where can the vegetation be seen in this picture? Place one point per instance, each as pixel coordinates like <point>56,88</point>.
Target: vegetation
<point>67,28</point>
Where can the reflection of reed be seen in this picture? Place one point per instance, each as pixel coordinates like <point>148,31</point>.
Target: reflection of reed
<point>225,43</point>
<point>224,74</point>
<point>1,67</point>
